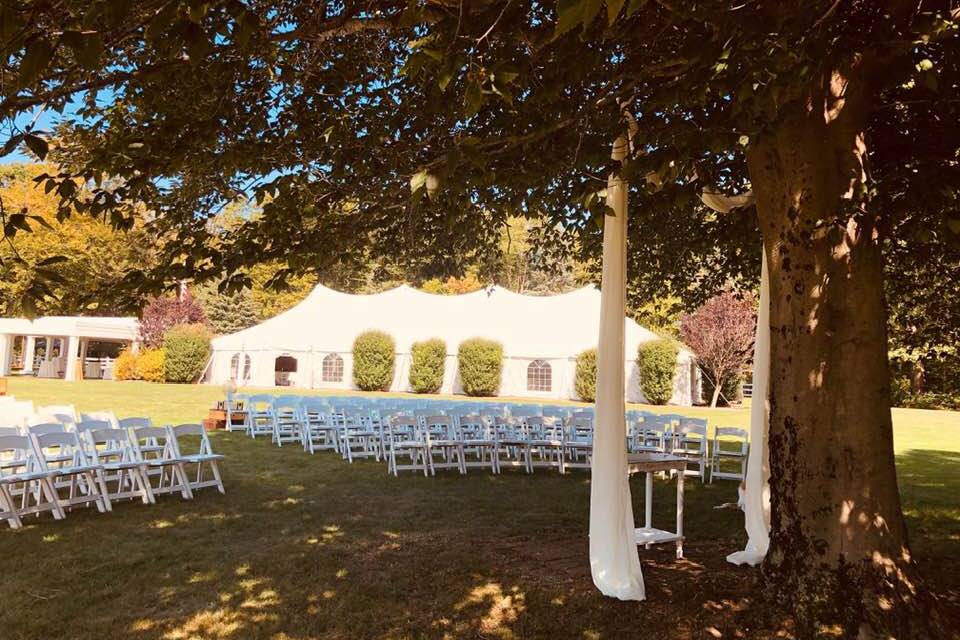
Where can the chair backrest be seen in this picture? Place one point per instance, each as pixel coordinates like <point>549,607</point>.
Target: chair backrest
<point>152,440</point>
<point>53,447</point>
<point>134,423</point>
<point>109,444</point>
<point>100,416</point>
<point>693,427</point>
<point>44,428</point>
<point>182,430</point>
<point>16,454</point>
<point>10,431</point>
<point>731,432</point>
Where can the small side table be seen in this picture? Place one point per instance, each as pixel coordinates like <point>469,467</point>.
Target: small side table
<point>651,463</point>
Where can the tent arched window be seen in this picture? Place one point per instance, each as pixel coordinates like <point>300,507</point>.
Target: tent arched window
<point>539,376</point>
<point>332,370</point>
<point>235,372</point>
<point>283,366</point>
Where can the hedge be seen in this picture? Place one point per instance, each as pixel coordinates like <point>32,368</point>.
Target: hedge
<point>125,366</point>
<point>585,382</point>
<point>480,365</point>
<point>657,361</point>
<point>373,360</point>
<point>150,365</point>
<point>427,365</point>
<point>186,349</point>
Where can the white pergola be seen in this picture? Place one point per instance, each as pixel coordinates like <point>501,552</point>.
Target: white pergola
<point>72,334</point>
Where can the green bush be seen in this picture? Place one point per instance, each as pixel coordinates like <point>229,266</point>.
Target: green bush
<point>125,366</point>
<point>730,392</point>
<point>585,381</point>
<point>899,391</point>
<point>373,360</point>
<point>427,364</point>
<point>186,349</point>
<point>657,361</point>
<point>150,365</point>
<point>480,364</point>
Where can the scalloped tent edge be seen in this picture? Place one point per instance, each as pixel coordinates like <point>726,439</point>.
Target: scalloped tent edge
<point>554,329</point>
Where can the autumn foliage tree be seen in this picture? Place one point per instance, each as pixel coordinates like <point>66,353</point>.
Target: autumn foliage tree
<point>721,335</point>
<point>165,312</point>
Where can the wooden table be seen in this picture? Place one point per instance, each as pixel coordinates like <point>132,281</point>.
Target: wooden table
<point>651,463</point>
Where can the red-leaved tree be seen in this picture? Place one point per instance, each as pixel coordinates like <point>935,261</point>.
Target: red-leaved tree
<point>162,313</point>
<point>721,334</point>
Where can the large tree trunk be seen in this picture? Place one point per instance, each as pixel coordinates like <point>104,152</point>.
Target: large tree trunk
<point>838,545</point>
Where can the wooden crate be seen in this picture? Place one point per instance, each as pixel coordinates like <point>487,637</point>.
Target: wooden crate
<point>212,425</point>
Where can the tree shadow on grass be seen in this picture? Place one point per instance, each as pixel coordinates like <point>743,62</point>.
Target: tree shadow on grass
<point>930,493</point>
<point>311,547</point>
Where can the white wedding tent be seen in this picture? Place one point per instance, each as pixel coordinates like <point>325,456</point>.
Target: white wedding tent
<point>309,346</point>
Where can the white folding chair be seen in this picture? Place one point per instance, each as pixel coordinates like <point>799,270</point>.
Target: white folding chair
<point>578,443</point>
<point>479,443</point>
<point>690,441</point>
<point>260,418</point>
<point>319,430</point>
<point>204,456</point>
<point>287,420</point>
<point>65,454</point>
<point>737,452</point>
<point>154,447</point>
<point>25,481</point>
<point>357,437</point>
<point>442,439</point>
<point>125,477</point>
<point>546,444</point>
<point>235,404</point>
<point>403,437</point>
<point>100,416</point>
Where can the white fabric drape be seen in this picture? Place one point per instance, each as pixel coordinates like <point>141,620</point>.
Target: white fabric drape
<point>614,561</point>
<point>756,496</point>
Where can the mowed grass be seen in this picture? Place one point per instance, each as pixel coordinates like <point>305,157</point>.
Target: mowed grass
<point>310,547</point>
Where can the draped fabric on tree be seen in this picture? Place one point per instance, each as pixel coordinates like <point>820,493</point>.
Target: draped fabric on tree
<point>756,496</point>
<point>614,561</point>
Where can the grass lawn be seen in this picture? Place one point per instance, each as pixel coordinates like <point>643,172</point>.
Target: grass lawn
<point>311,547</point>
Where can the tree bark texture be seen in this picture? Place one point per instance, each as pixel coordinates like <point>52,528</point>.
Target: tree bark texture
<point>838,544</point>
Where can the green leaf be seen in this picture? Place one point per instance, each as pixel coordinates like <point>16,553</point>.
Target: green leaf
<point>569,16</point>
<point>37,145</point>
<point>35,60</point>
<point>41,221</point>
<point>613,10</point>
<point>418,181</point>
<point>634,6</point>
<point>472,99</point>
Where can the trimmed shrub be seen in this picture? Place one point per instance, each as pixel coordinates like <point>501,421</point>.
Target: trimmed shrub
<point>186,349</point>
<point>427,365</point>
<point>150,365</point>
<point>585,381</point>
<point>480,364</point>
<point>657,361</point>
<point>729,392</point>
<point>125,366</point>
<point>373,360</point>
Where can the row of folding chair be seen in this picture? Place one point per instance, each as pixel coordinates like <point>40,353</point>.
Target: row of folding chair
<point>354,427</point>
<point>97,460</point>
